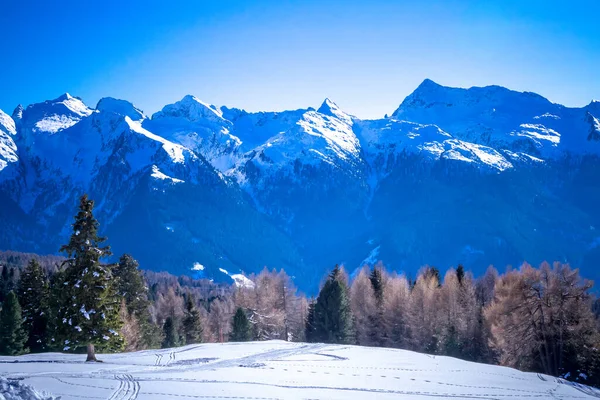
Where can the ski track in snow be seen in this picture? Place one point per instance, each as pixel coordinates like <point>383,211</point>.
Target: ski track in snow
<point>281,370</point>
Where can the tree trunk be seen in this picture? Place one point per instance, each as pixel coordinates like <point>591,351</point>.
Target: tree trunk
<point>91,353</point>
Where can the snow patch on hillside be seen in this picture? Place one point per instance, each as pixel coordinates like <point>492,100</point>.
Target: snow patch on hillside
<point>159,175</point>
<point>174,151</point>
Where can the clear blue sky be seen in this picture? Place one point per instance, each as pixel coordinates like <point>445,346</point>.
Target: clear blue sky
<point>274,55</point>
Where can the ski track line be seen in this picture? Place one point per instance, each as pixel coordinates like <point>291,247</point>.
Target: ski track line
<point>158,359</point>
<point>191,396</point>
<point>300,364</point>
<point>129,388</point>
<point>530,393</point>
<point>268,355</point>
<point>482,396</point>
<point>80,384</point>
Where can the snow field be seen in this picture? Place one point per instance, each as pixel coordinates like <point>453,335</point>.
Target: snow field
<point>280,370</point>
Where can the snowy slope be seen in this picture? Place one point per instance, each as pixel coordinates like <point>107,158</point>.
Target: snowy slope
<point>280,370</point>
<point>8,148</point>
<point>502,118</point>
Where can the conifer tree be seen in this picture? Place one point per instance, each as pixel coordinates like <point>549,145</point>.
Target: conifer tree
<point>376,279</point>
<point>88,309</point>
<point>378,329</point>
<point>241,330</point>
<point>192,324</point>
<point>3,283</point>
<point>333,318</point>
<point>131,287</point>
<point>33,295</point>
<point>171,333</point>
<point>460,273</point>
<point>309,331</point>
<point>12,334</point>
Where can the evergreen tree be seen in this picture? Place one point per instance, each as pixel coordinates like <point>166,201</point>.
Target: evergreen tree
<point>130,285</point>
<point>377,327</point>
<point>460,273</point>
<point>376,279</point>
<point>171,333</point>
<point>309,331</point>
<point>3,283</point>
<point>88,308</point>
<point>192,325</point>
<point>12,334</point>
<point>333,318</point>
<point>33,295</point>
<point>241,331</point>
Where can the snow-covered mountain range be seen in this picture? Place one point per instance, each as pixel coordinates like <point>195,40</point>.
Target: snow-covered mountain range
<point>473,176</point>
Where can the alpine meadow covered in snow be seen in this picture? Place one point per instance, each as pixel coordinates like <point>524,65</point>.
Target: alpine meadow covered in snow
<point>314,199</point>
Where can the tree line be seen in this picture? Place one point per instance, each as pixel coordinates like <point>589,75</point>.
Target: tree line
<point>541,319</point>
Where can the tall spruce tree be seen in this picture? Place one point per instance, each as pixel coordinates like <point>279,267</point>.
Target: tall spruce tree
<point>12,334</point>
<point>88,311</point>
<point>378,330</point>
<point>333,318</point>
<point>171,333</point>
<point>460,274</point>
<point>241,331</point>
<point>33,293</point>
<point>3,283</point>
<point>376,279</point>
<point>310,332</point>
<point>192,324</point>
<point>131,286</point>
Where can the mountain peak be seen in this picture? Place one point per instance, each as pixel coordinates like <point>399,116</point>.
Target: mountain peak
<point>62,97</point>
<point>72,104</point>
<point>18,112</point>
<point>428,83</point>
<point>120,107</point>
<point>191,108</point>
<point>330,108</point>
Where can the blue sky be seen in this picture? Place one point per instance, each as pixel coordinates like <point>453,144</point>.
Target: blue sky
<point>274,55</point>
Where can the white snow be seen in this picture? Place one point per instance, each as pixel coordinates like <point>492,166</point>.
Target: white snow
<point>55,123</point>
<point>197,267</point>
<point>174,151</point>
<point>16,390</point>
<point>159,175</point>
<point>280,370</point>
<point>241,280</point>
<point>8,148</point>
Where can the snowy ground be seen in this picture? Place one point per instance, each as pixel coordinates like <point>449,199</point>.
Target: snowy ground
<point>279,370</point>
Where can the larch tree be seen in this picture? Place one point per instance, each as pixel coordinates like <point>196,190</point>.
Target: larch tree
<point>12,334</point>
<point>130,330</point>
<point>221,311</point>
<point>541,320</point>
<point>33,295</point>
<point>396,308</point>
<point>363,305</point>
<point>88,310</point>
<point>424,312</point>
